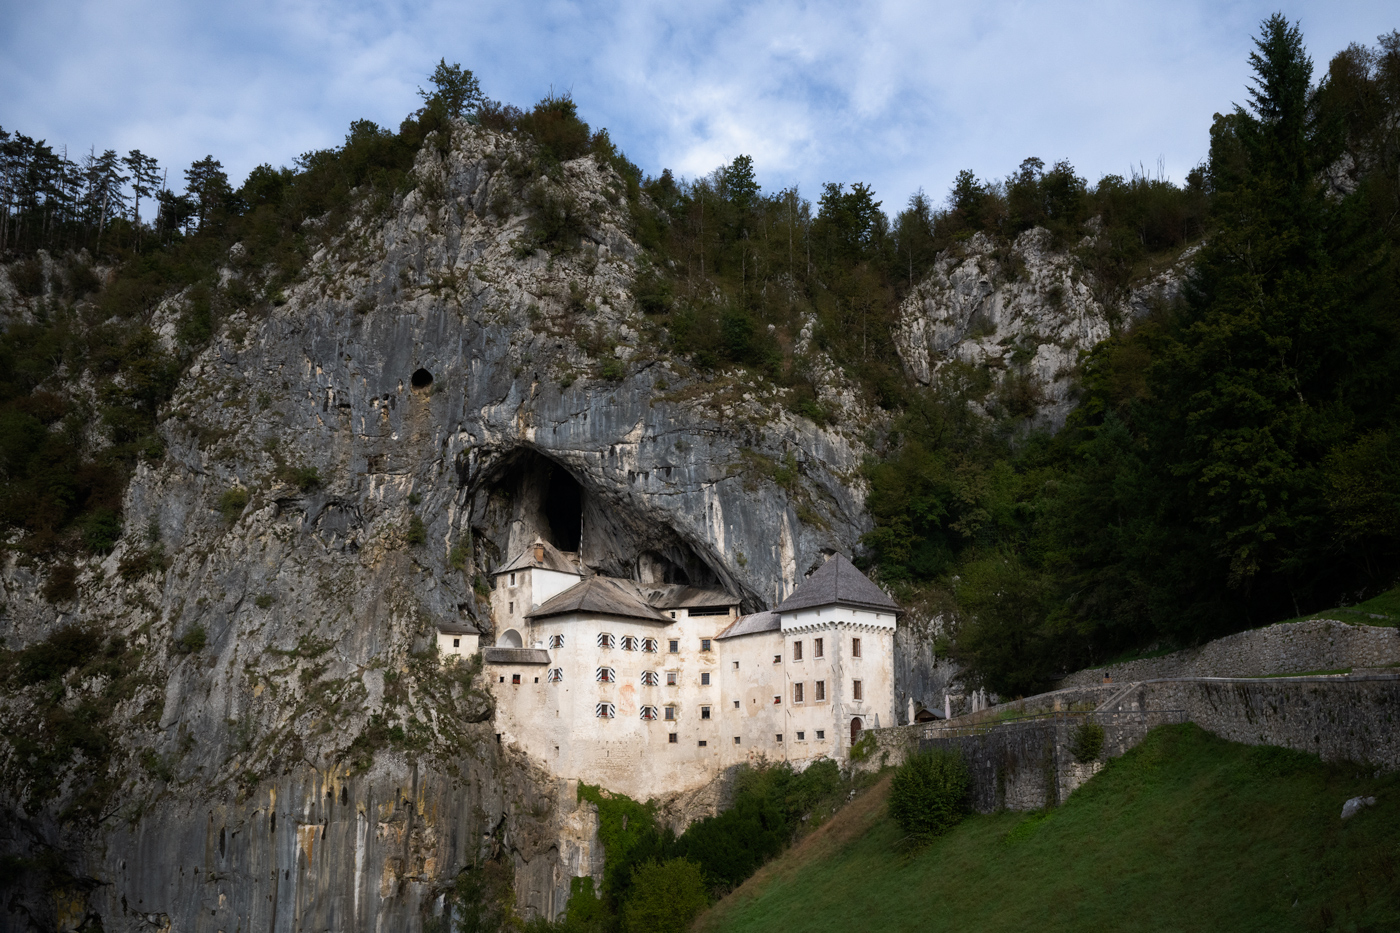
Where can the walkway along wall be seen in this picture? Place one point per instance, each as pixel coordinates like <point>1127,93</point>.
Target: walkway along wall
<point>1023,762</point>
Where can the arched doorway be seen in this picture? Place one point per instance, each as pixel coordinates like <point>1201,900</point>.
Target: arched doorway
<point>855,729</point>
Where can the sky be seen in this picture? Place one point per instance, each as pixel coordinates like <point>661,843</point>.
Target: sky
<point>899,95</point>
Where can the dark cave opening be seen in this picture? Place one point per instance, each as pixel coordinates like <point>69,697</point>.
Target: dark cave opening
<point>563,509</point>
<point>420,379</point>
<point>529,495</point>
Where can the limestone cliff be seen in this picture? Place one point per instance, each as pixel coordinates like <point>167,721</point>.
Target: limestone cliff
<point>341,466</point>
<point>1023,311</point>
<point>270,741</point>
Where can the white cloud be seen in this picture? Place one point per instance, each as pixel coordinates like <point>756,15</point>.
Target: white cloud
<point>898,94</point>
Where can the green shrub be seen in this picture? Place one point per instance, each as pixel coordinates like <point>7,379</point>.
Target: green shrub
<point>417,532</point>
<point>55,656</point>
<point>62,584</point>
<point>930,794</point>
<point>665,897</point>
<point>101,529</point>
<point>263,601</point>
<point>193,641</point>
<point>1087,742</point>
<point>28,277</point>
<point>233,502</point>
<point>305,478</point>
<point>459,555</point>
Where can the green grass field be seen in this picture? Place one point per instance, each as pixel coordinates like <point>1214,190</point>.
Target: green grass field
<point>1379,610</point>
<point>1186,832</point>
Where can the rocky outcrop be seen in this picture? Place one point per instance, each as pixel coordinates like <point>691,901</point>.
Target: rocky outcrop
<point>341,468</point>
<point>1023,311</point>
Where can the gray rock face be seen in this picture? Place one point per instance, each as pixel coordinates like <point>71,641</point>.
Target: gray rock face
<point>429,396</point>
<point>1025,311</point>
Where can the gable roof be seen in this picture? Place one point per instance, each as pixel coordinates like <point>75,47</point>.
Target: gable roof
<point>600,596</point>
<point>447,627</point>
<point>837,582</point>
<point>554,559</point>
<point>752,624</point>
<point>681,596</point>
<point>515,655</point>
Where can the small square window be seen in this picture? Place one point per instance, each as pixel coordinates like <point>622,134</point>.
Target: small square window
<point>704,644</point>
<point>670,714</point>
<point>703,743</point>
<point>736,704</point>
<point>777,659</point>
<point>704,712</point>
<point>670,678</point>
<point>672,738</point>
<point>779,737</point>
<point>855,647</point>
<point>817,647</point>
<point>675,643</point>
<point>797,651</point>
<point>456,642</point>
<point>556,641</point>
<point>856,692</point>
<point>503,680</point>
<point>777,698</point>
<point>821,734</point>
<point>801,736</point>
<point>515,678</point>
<point>537,680</point>
<point>736,740</point>
<point>736,665</point>
<point>705,679</point>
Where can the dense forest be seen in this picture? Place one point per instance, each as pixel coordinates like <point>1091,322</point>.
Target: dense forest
<point>1233,460</point>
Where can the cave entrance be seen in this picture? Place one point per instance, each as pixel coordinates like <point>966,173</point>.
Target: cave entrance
<point>563,509</point>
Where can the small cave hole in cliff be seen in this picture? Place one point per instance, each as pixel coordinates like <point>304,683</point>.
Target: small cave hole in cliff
<point>420,379</point>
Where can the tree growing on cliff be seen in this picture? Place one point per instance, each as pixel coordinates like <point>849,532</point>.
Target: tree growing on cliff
<point>456,91</point>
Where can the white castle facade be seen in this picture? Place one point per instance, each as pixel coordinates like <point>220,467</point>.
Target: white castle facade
<point>653,689</point>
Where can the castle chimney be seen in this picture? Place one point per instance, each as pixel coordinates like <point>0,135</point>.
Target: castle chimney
<point>539,552</point>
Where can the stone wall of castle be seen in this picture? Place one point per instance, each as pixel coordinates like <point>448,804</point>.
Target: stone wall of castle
<point>1287,648</point>
<point>1021,760</point>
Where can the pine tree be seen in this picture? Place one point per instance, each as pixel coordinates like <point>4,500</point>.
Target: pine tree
<point>208,187</point>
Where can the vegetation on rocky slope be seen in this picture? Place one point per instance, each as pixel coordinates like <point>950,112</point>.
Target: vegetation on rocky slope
<point>1233,459</point>
<point>1184,832</point>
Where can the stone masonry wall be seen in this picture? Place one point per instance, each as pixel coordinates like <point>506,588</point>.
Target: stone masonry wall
<point>1025,763</point>
<point>1352,718</point>
<point>1287,648</point>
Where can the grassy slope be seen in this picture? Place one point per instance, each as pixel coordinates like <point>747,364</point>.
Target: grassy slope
<point>1186,832</point>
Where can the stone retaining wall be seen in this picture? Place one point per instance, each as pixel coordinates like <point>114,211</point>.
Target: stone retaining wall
<point>1287,648</point>
<point>1350,718</point>
<point>1025,763</point>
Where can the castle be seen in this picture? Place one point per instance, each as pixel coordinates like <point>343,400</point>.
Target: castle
<point>654,688</point>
